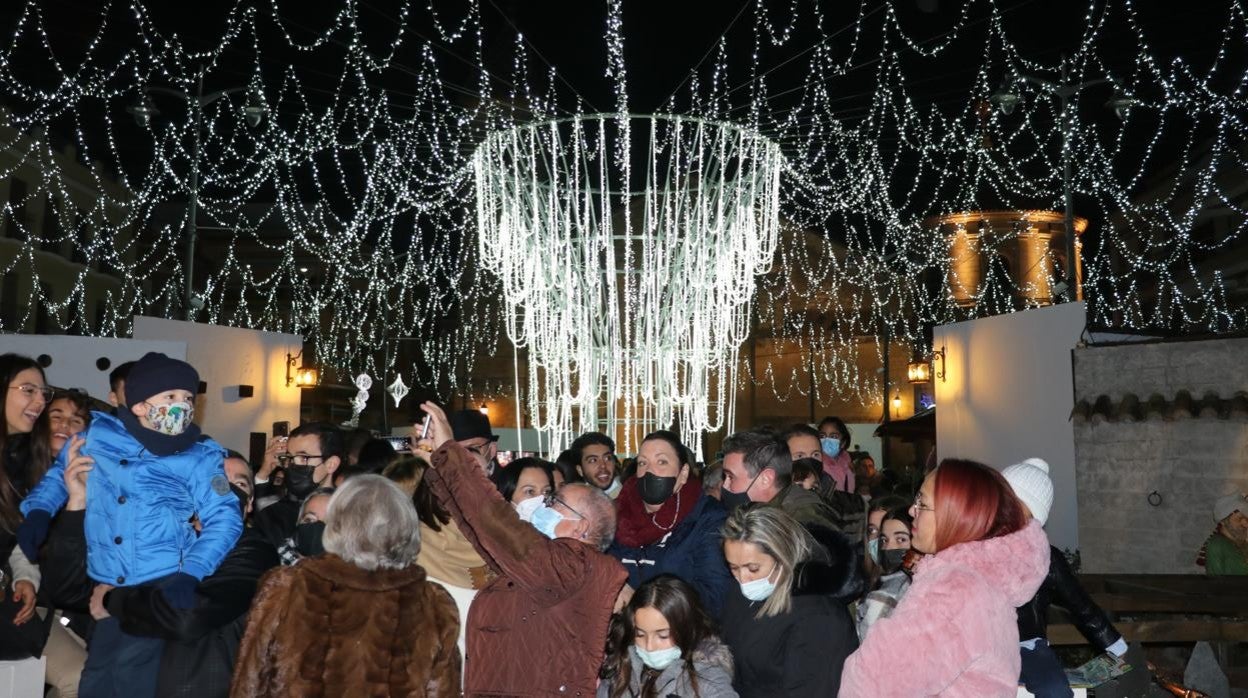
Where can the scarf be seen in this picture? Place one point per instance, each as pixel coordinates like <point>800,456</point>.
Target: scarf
<point>636,528</point>
<point>154,441</point>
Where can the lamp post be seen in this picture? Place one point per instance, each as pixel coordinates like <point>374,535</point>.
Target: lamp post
<point>1006,99</point>
<point>144,110</point>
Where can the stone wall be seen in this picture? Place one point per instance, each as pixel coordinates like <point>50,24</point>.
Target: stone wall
<point>1187,457</point>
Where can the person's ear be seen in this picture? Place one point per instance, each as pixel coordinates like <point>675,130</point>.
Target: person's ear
<point>768,477</point>
<point>331,466</point>
<point>138,410</point>
<point>683,476</point>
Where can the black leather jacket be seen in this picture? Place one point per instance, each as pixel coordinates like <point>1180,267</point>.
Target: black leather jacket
<point>1062,588</point>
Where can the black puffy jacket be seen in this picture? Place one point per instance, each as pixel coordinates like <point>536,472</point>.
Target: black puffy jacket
<point>201,642</point>
<point>1061,587</point>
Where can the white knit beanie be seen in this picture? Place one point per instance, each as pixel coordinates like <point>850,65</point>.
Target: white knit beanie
<point>1031,484</point>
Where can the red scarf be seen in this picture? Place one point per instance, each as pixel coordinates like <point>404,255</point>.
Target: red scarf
<point>637,528</point>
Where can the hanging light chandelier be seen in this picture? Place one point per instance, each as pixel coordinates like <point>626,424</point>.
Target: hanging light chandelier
<point>632,302</point>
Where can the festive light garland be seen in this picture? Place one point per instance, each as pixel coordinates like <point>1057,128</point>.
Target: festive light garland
<point>373,191</point>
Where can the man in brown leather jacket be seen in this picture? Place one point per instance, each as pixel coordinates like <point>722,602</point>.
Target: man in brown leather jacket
<point>539,628</point>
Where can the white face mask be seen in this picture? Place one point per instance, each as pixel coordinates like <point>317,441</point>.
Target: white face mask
<point>760,589</point>
<point>526,508</point>
<point>658,659</point>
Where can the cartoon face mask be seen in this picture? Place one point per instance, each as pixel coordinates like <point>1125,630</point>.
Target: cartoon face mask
<point>170,419</point>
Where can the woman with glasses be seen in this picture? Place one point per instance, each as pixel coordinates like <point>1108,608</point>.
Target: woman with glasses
<point>26,454</point>
<point>787,622</point>
<point>668,525</point>
<point>664,644</point>
<point>955,632</point>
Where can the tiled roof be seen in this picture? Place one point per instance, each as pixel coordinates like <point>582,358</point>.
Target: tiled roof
<point>1160,407</point>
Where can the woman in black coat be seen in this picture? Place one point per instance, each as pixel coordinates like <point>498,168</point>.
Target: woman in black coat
<point>787,624</point>
<point>667,525</point>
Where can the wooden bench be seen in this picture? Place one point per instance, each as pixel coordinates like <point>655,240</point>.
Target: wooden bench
<point>1174,608</point>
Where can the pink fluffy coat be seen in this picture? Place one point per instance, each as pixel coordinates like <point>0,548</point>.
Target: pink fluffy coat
<point>955,632</point>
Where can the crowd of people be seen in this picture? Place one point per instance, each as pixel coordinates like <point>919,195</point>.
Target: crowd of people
<point>144,559</point>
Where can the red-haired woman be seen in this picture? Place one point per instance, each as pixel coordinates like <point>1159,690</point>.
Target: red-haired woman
<point>955,633</point>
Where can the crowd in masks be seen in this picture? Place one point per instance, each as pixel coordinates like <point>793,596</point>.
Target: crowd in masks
<point>144,559</point>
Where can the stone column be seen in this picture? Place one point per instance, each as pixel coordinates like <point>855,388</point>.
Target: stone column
<point>1035,267</point>
<point>966,266</point>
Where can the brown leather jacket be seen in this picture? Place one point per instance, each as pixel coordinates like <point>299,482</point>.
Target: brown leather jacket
<point>541,627</point>
<point>325,627</point>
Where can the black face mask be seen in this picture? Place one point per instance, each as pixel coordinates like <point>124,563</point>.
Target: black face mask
<point>654,489</point>
<point>299,482</point>
<point>243,498</point>
<point>732,500</point>
<point>308,538</point>
<point>892,559</point>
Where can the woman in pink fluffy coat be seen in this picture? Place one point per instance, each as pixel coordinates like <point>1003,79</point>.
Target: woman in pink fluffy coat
<point>955,632</point>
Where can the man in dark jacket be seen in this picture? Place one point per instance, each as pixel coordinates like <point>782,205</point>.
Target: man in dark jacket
<point>758,468</point>
<point>314,453</point>
<point>201,643</point>
<point>1042,673</point>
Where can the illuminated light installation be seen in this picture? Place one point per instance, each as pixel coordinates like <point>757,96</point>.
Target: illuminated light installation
<point>632,304</point>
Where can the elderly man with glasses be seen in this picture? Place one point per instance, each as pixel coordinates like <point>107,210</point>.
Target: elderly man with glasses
<point>551,603</point>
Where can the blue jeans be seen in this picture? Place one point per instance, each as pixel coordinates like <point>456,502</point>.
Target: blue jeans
<point>120,665</point>
<point>1042,672</point>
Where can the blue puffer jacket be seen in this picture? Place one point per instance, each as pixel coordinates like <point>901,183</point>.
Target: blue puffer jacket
<point>139,506</point>
<point>692,551</point>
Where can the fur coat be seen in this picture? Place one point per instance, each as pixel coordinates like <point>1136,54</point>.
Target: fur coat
<point>955,632</point>
<point>712,663</point>
<point>325,627</point>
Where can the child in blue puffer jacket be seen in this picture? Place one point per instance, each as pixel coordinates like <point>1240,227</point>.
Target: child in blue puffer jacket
<point>151,474</point>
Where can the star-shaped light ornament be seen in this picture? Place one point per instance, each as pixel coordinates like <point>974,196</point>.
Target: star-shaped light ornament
<point>398,390</point>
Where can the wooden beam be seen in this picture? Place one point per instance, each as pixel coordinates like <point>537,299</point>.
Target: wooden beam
<point>1161,631</point>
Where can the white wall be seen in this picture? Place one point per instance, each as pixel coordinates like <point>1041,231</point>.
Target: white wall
<point>227,357</point>
<point>1007,395</point>
<point>74,359</point>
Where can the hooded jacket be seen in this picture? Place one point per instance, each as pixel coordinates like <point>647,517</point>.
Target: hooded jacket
<point>799,653</point>
<point>540,628</point>
<point>325,627</point>
<point>1063,588</point>
<point>712,665</point>
<point>955,632</point>
<point>139,506</point>
<point>693,551</point>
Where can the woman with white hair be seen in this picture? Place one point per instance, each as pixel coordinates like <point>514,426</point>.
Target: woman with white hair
<point>361,619</point>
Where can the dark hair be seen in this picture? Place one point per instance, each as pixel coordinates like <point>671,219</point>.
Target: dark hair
<point>762,449</point>
<point>682,452</point>
<point>875,570</point>
<point>375,455</point>
<point>80,400</point>
<point>251,475</point>
<point>353,444</point>
<point>34,448</point>
<point>507,479</point>
<point>327,434</point>
<point>119,375</point>
<point>689,623</point>
<point>801,430</point>
<point>428,509</point>
<point>567,464</point>
<point>840,426</point>
<point>804,468</point>
<point>886,503</point>
<point>347,472</point>
<point>590,438</point>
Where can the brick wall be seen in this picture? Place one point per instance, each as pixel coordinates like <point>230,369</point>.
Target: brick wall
<point>1188,461</point>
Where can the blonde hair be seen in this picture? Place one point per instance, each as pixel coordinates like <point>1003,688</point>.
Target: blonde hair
<point>778,535</point>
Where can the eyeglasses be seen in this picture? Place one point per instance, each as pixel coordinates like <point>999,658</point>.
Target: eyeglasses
<point>919,505</point>
<point>300,459</point>
<point>30,390</point>
<point>551,499</point>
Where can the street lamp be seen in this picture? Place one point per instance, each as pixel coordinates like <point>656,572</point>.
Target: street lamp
<point>1006,99</point>
<point>144,109</point>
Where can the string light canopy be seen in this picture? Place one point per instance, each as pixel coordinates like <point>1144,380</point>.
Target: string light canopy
<point>339,173</point>
<point>632,304</point>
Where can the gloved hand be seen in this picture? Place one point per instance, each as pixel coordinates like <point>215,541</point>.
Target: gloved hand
<point>32,532</point>
<point>179,590</point>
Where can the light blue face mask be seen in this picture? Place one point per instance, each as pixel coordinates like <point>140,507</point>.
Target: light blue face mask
<point>545,520</point>
<point>760,589</point>
<point>658,659</point>
<point>873,549</point>
<point>831,447</point>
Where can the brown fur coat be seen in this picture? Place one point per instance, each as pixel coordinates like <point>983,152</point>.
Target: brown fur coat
<point>328,628</point>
